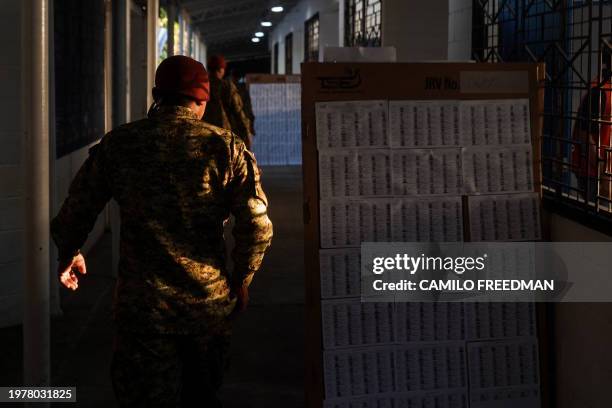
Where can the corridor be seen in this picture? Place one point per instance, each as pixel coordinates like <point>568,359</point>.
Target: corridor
<point>385,130</point>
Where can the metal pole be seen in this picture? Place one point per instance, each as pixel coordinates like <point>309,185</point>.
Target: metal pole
<point>54,305</point>
<point>121,99</point>
<point>121,62</point>
<point>181,16</point>
<point>152,23</point>
<point>188,31</point>
<point>36,354</point>
<point>108,87</point>
<point>196,46</point>
<point>108,65</point>
<point>171,20</point>
<point>341,21</point>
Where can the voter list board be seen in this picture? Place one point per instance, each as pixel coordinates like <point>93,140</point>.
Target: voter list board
<point>408,162</point>
<point>276,105</point>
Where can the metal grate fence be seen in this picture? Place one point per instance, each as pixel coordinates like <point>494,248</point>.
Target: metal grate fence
<point>311,39</point>
<point>574,39</point>
<point>363,23</point>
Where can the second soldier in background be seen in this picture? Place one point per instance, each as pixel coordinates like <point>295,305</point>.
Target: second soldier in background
<point>225,107</point>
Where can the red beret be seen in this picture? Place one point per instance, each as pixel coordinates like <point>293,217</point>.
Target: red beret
<point>183,75</point>
<point>216,62</point>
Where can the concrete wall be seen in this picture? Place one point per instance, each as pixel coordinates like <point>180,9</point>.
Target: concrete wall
<point>423,30</point>
<point>428,30</point>
<point>11,172</point>
<point>293,22</point>
<point>138,64</point>
<point>459,30</point>
<point>62,169</point>
<point>582,333</point>
<point>417,29</point>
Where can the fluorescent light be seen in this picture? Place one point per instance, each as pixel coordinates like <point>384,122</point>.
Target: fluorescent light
<point>277,9</point>
<point>255,39</point>
<point>266,24</point>
<point>259,34</point>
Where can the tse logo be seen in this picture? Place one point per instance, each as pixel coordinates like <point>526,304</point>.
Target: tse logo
<point>438,83</point>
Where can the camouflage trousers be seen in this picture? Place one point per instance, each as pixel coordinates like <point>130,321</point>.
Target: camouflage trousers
<point>169,370</point>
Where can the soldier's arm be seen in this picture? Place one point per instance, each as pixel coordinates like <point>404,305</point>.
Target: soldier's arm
<point>253,228</point>
<point>87,196</point>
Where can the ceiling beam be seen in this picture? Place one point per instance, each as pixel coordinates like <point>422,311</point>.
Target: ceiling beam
<point>243,52</point>
<point>225,8</point>
<point>227,16</point>
<point>221,26</point>
<point>218,29</point>
<point>233,42</point>
<point>198,4</point>
<point>244,39</point>
<point>227,25</point>
<point>227,36</point>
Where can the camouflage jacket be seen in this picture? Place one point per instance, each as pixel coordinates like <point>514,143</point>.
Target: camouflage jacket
<point>176,180</point>
<point>236,110</point>
<point>225,108</point>
<point>215,113</point>
<point>243,90</point>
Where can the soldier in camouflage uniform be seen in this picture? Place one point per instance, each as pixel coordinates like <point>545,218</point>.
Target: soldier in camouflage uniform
<point>229,110</point>
<point>216,109</point>
<point>243,90</point>
<point>176,179</point>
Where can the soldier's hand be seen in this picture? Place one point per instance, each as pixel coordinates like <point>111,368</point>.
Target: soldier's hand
<point>242,298</point>
<point>67,269</point>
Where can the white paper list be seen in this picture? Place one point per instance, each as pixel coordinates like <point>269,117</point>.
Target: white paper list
<point>428,399</point>
<point>438,219</point>
<point>427,171</point>
<point>415,399</point>
<point>375,173</point>
<point>355,172</point>
<point>349,222</point>
<point>507,217</point>
<point>498,170</point>
<point>431,367</point>
<point>338,173</point>
<point>349,323</point>
<point>495,122</point>
<point>500,320</point>
<point>424,123</point>
<point>395,172</point>
<point>524,397</point>
<point>277,108</point>
<point>362,402</point>
<point>340,272</point>
<point>511,262</point>
<point>359,371</point>
<point>428,321</point>
<point>352,124</point>
<point>503,363</point>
